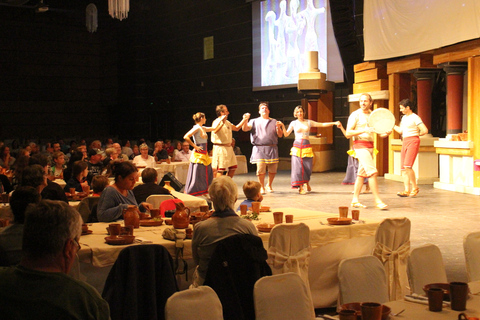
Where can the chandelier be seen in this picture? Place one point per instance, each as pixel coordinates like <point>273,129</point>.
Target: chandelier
<point>118,9</point>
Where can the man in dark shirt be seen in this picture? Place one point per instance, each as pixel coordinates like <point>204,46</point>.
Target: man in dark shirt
<point>149,186</point>
<point>95,164</point>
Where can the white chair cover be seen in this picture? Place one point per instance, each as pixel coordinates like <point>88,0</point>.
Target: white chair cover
<point>425,265</point>
<point>289,250</point>
<point>200,303</point>
<point>471,248</point>
<point>282,296</point>
<point>362,279</point>
<point>392,246</point>
<point>156,199</point>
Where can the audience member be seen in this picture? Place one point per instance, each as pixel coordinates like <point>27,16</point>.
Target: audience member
<point>160,154</point>
<point>223,223</point>
<point>6,160</point>
<point>118,148</point>
<point>52,191</point>
<point>251,190</point>
<point>149,186</point>
<point>236,149</point>
<point>126,150</point>
<point>78,180</point>
<point>34,176</point>
<point>67,173</point>
<point>177,147</point>
<point>144,159</point>
<point>99,183</point>
<point>111,156</point>
<point>185,154</point>
<point>168,146</point>
<point>58,165</point>
<point>119,196</point>
<point>136,152</point>
<point>39,287</point>
<point>95,164</point>
<point>11,236</point>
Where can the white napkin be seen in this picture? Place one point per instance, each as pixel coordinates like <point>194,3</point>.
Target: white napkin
<point>421,299</point>
<point>142,240</point>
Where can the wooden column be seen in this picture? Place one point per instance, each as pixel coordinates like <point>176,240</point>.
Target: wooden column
<point>474,111</point>
<point>325,114</point>
<point>424,95</point>
<point>454,98</point>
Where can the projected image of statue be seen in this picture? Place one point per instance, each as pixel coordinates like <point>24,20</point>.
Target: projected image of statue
<point>294,27</point>
<point>280,24</point>
<point>271,61</point>
<point>310,14</point>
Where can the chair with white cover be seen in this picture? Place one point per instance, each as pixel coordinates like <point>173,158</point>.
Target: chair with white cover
<point>392,246</point>
<point>200,303</point>
<point>424,266</point>
<point>273,301</point>
<point>85,207</point>
<point>289,250</point>
<point>471,248</point>
<point>362,279</point>
<point>156,199</point>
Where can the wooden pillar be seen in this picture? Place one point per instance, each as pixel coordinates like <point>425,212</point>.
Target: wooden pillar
<point>454,98</point>
<point>325,114</point>
<point>424,95</point>
<point>312,113</point>
<point>474,111</point>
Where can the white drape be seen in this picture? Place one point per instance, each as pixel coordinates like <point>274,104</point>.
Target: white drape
<point>394,28</point>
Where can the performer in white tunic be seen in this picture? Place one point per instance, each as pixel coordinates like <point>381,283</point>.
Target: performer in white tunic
<point>411,128</point>
<point>223,158</point>
<point>301,152</point>
<point>200,173</point>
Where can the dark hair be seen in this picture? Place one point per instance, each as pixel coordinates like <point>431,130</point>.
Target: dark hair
<point>21,198</point>
<point>48,225</point>
<point>149,175</point>
<point>99,182</point>
<point>408,103</point>
<point>263,103</point>
<point>219,109</point>
<point>123,169</point>
<point>38,158</point>
<point>78,167</point>
<point>33,176</point>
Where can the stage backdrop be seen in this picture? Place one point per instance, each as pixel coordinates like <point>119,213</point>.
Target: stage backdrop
<point>394,28</point>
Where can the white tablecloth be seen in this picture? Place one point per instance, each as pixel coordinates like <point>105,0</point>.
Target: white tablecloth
<point>242,165</point>
<point>179,169</point>
<point>417,311</point>
<point>330,244</point>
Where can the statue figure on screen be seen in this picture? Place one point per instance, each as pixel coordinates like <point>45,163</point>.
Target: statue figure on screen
<point>270,64</point>
<point>310,14</point>
<point>280,23</point>
<point>293,29</point>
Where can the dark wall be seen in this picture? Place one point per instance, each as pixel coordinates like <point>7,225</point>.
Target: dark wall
<point>57,80</point>
<point>141,77</point>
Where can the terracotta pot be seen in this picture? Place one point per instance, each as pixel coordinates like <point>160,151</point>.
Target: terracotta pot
<point>131,217</point>
<point>181,217</point>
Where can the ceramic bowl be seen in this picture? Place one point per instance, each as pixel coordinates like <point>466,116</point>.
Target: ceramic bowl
<point>357,307</point>
<point>444,286</point>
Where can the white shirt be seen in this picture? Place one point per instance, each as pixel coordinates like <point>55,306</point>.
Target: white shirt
<point>409,125</point>
<point>140,162</point>
<point>183,156</point>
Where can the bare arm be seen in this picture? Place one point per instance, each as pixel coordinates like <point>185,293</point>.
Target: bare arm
<point>324,124</point>
<point>287,132</point>
<point>398,129</point>
<point>279,129</point>
<point>247,127</point>
<point>423,129</point>
<point>240,125</point>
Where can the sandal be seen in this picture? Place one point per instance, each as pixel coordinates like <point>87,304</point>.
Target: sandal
<point>414,192</point>
<point>382,206</point>
<point>358,205</point>
<point>403,194</point>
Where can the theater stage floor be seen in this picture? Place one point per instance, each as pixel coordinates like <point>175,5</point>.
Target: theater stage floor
<point>438,216</point>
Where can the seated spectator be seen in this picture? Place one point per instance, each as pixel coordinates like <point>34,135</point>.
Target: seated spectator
<point>79,177</point>
<point>39,287</point>
<point>52,191</point>
<point>236,150</point>
<point>95,164</point>
<point>6,160</point>
<point>168,146</point>
<point>118,148</point>
<point>149,186</point>
<point>11,236</point>
<point>144,159</point>
<point>58,165</point>
<point>20,165</point>
<point>67,173</point>
<point>5,185</point>
<point>251,190</point>
<point>160,154</point>
<point>177,147</point>
<point>119,196</point>
<point>136,152</point>
<point>185,154</point>
<point>99,183</point>
<point>126,150</point>
<point>223,223</point>
<point>111,156</point>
